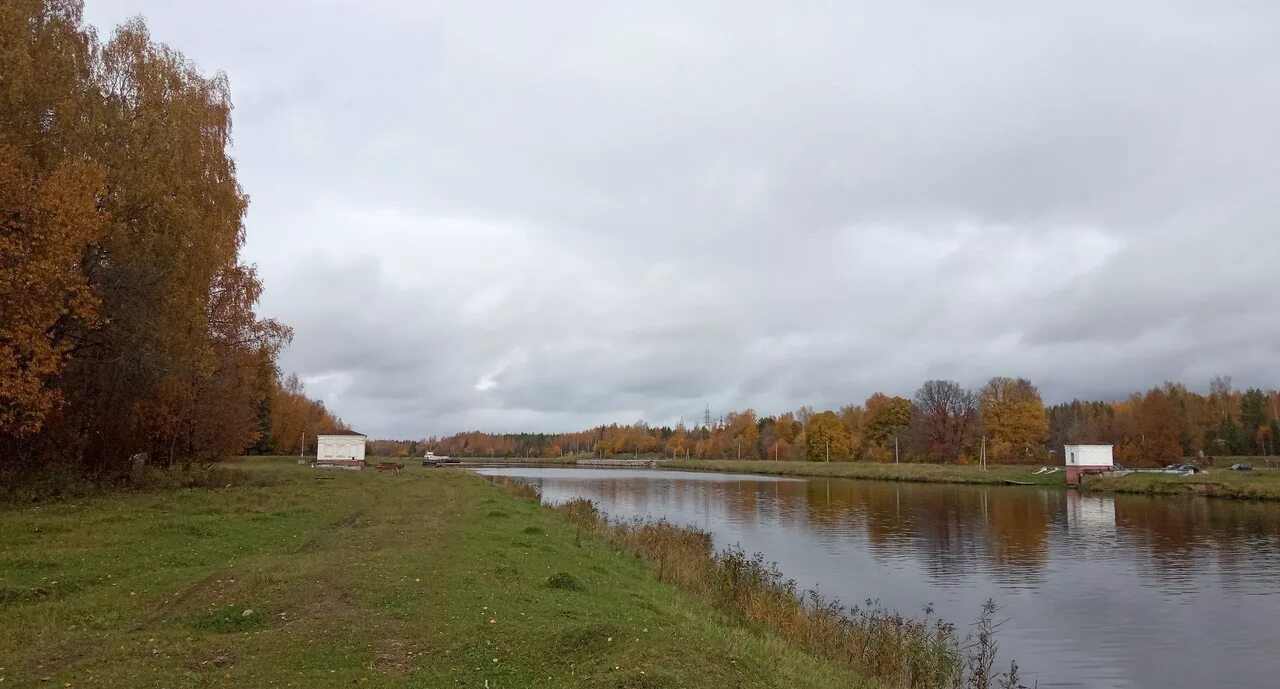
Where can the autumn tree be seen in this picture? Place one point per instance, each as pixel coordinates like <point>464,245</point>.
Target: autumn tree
<point>740,434</point>
<point>678,443</point>
<point>826,438</point>
<point>1082,422</point>
<point>130,330</point>
<point>886,418</point>
<point>1153,439</point>
<point>49,215</point>
<point>296,418</point>
<point>1253,420</point>
<point>942,424</point>
<point>1013,419</point>
<point>854,419</point>
<point>945,414</point>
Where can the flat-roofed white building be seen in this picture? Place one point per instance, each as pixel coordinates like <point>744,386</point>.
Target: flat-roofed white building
<point>1087,458</point>
<point>340,449</point>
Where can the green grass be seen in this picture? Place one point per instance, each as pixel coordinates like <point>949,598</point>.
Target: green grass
<point>920,653</point>
<point>365,578</point>
<point>919,473</point>
<point>1259,484</point>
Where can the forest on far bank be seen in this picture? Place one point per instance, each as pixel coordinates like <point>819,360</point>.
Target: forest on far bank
<point>941,422</point>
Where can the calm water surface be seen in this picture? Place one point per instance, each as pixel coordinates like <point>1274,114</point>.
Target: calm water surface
<point>1101,592</point>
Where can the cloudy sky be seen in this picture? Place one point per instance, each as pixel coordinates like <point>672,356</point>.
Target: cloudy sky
<point>546,215</point>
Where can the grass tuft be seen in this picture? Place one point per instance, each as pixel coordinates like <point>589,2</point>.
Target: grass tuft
<point>230,618</point>
<point>582,641</point>
<point>641,680</point>
<point>565,582</point>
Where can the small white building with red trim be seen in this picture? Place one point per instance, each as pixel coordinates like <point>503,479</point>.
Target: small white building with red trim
<point>340,449</point>
<point>1087,459</point>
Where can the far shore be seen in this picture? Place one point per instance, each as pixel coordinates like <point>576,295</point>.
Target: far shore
<point>907,472</point>
<point>1217,482</point>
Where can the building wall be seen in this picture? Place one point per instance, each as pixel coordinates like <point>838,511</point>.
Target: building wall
<point>340,447</point>
<point>1088,455</point>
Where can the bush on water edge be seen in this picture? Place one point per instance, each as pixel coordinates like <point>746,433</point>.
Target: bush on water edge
<point>912,653</point>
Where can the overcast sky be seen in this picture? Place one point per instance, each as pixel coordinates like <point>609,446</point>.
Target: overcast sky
<point>547,215</point>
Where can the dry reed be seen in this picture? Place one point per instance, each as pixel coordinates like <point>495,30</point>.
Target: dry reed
<point>911,653</point>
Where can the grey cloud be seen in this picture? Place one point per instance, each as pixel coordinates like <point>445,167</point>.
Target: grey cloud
<point>527,216</point>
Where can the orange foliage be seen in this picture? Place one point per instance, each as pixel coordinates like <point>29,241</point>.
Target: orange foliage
<point>130,329</point>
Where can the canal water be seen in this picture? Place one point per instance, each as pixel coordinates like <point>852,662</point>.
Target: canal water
<point>1099,592</point>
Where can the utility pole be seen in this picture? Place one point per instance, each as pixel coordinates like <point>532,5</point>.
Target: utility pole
<point>828,449</point>
<point>895,448</point>
<point>302,448</point>
<point>984,452</point>
<point>739,449</point>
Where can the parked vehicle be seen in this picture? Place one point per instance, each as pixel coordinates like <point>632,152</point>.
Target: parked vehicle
<point>1241,467</point>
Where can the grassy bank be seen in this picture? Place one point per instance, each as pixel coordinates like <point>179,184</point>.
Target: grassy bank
<point>919,653</point>
<point>430,578</point>
<point>1259,484</point>
<point>920,473</point>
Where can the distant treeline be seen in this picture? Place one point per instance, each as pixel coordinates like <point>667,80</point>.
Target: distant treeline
<point>942,422</point>
<point>127,324</point>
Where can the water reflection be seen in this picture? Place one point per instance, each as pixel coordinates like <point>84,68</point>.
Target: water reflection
<point>1100,592</point>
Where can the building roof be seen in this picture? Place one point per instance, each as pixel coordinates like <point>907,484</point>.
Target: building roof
<point>344,431</point>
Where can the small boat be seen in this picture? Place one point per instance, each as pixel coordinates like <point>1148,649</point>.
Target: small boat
<point>434,460</point>
<point>1011,482</point>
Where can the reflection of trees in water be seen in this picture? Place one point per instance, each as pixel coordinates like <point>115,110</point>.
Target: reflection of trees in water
<point>1018,529</point>
<point>963,527</point>
<point>1183,535</point>
<point>965,530</point>
<point>953,528</point>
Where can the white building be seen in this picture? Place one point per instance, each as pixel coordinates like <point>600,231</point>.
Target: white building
<point>1086,458</point>
<point>340,449</point>
<point>1093,456</point>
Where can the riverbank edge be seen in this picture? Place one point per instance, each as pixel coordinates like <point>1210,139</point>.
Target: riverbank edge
<point>994,475</point>
<point>333,578</point>
<point>906,652</point>
<point>1257,487</point>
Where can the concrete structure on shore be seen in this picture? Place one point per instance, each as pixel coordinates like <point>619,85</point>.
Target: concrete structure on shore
<point>617,462</point>
<point>1085,459</point>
